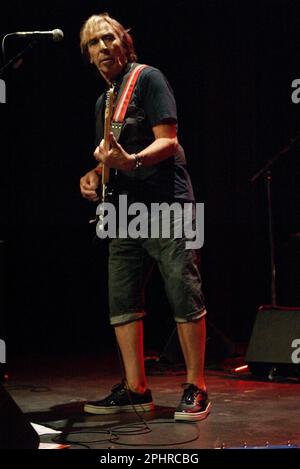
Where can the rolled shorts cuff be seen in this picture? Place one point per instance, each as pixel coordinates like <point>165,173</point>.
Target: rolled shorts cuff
<point>119,319</point>
<point>193,316</point>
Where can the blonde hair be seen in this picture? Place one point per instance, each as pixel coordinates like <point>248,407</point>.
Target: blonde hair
<point>92,24</point>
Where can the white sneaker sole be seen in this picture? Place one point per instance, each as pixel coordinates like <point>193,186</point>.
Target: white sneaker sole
<point>193,417</point>
<point>93,409</point>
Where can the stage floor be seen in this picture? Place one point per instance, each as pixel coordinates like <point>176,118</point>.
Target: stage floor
<point>245,410</point>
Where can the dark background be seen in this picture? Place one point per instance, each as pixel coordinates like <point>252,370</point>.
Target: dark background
<point>231,65</point>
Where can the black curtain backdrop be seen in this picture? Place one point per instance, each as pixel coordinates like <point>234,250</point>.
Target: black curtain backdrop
<point>231,65</point>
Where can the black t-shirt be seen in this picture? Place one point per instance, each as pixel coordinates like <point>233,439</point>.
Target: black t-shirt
<point>152,103</point>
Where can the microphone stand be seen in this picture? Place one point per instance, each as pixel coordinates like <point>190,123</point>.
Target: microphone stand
<point>18,56</point>
<point>265,171</point>
<point>3,72</point>
<point>7,66</point>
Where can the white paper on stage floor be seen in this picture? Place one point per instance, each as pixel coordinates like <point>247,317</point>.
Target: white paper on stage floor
<point>42,430</point>
<point>52,446</point>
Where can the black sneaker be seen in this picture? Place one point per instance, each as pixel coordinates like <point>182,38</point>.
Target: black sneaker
<point>121,399</point>
<point>194,404</point>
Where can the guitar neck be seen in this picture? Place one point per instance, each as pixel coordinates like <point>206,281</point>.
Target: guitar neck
<point>106,143</point>
<point>106,136</point>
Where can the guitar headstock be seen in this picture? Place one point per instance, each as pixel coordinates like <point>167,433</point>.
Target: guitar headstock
<point>109,103</point>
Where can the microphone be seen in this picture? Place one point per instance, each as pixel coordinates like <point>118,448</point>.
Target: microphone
<point>56,34</point>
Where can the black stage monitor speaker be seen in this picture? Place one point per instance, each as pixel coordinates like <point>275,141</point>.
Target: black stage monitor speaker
<point>274,345</point>
<point>15,431</point>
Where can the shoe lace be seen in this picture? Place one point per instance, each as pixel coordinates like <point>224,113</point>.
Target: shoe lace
<point>117,388</point>
<point>116,391</point>
<point>190,390</point>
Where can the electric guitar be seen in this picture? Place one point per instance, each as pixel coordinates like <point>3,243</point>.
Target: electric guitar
<point>106,193</point>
